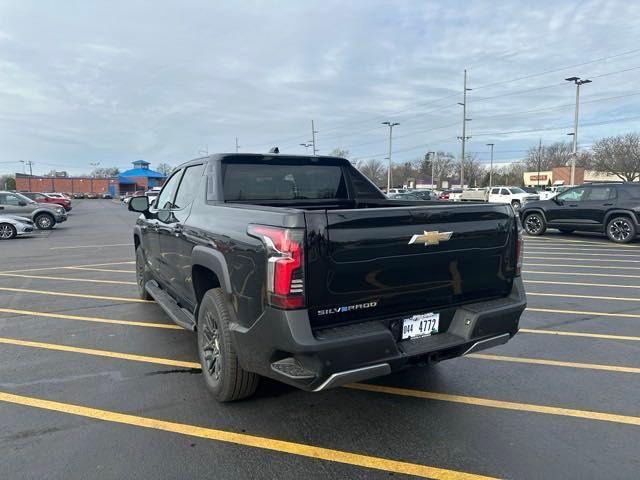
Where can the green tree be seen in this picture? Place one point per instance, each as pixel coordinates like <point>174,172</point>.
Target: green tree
<point>7,182</point>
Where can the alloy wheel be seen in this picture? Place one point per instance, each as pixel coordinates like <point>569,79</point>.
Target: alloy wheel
<point>211,347</point>
<point>620,230</point>
<point>533,224</point>
<point>44,222</point>
<point>6,231</point>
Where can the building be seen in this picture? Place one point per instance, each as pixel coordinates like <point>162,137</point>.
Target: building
<point>562,176</point>
<point>140,177</point>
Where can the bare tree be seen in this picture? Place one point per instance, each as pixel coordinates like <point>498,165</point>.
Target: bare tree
<point>164,168</point>
<point>339,152</point>
<point>473,170</point>
<point>555,155</point>
<point>442,166</point>
<point>373,169</point>
<point>105,172</point>
<point>619,155</point>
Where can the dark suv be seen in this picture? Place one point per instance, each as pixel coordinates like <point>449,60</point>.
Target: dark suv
<point>612,208</point>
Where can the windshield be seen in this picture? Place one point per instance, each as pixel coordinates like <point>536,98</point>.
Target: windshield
<point>517,190</point>
<point>22,197</point>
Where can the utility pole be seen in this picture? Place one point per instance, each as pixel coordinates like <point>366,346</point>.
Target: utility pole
<point>464,136</point>
<point>391,125</point>
<point>432,155</point>
<point>237,146</point>
<point>491,166</point>
<point>577,82</point>
<point>539,160</point>
<point>313,137</point>
<point>30,163</point>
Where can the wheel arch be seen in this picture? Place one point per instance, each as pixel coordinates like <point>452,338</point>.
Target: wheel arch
<point>620,213</point>
<point>534,210</point>
<point>208,270</point>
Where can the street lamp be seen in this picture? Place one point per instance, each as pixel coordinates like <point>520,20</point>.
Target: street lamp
<point>577,81</point>
<point>491,166</point>
<point>391,125</point>
<point>433,157</point>
<point>306,146</point>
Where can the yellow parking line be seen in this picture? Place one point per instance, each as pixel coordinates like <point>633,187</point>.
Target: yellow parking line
<point>554,363</point>
<point>100,353</point>
<point>76,295</point>
<point>65,266</point>
<point>593,297</point>
<point>573,274</point>
<point>263,443</point>
<point>67,279</point>
<point>64,316</point>
<point>574,252</point>
<point>487,402</point>
<point>92,246</point>
<point>582,312</point>
<point>579,284</point>
<point>578,266</point>
<point>579,334</point>
<point>100,270</point>
<point>584,259</point>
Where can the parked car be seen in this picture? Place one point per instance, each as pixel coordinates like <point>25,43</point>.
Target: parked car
<point>403,196</point>
<point>451,194</point>
<point>298,268</point>
<point>611,208</point>
<point>475,195</point>
<point>397,190</point>
<point>514,196</point>
<point>44,215</point>
<point>425,194</point>
<point>532,190</point>
<point>78,195</point>
<point>107,196</point>
<point>46,198</point>
<point>14,226</point>
<point>551,192</point>
<point>91,195</point>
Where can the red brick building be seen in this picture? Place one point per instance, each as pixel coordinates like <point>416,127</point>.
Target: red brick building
<point>34,183</point>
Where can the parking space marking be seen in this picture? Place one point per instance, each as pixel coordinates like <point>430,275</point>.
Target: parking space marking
<point>66,279</point>
<point>505,405</point>
<point>108,270</point>
<point>567,241</point>
<point>592,297</point>
<point>579,284</point>
<point>574,252</point>
<point>582,312</point>
<point>64,316</point>
<point>243,439</point>
<point>92,246</point>
<point>617,275</point>
<point>584,259</point>
<point>578,266</point>
<point>76,295</point>
<point>99,353</point>
<point>563,333</point>
<point>66,266</point>
<point>553,363</point>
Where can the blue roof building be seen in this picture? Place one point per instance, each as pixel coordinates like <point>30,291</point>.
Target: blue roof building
<point>140,177</point>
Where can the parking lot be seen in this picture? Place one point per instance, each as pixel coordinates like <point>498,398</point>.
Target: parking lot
<point>94,382</point>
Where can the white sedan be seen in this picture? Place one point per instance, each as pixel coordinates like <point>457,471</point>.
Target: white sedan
<point>11,227</point>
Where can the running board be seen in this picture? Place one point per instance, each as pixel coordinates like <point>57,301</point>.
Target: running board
<point>488,343</point>
<point>179,315</point>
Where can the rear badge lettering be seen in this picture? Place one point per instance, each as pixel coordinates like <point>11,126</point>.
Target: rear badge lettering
<point>348,308</point>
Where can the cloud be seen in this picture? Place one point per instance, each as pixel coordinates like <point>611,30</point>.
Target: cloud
<point>116,81</point>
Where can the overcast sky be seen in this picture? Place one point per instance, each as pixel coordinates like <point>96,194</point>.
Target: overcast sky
<point>114,81</point>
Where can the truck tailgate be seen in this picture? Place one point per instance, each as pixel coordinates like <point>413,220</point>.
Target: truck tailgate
<point>371,268</point>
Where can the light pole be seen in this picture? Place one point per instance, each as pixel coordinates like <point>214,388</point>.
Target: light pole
<point>464,136</point>
<point>491,166</point>
<point>577,82</point>
<point>313,137</point>
<point>306,146</point>
<point>432,155</point>
<point>391,125</point>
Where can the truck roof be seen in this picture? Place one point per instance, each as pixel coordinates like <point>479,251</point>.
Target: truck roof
<point>255,157</point>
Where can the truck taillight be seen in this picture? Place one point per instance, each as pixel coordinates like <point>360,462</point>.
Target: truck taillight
<point>519,247</point>
<point>285,264</point>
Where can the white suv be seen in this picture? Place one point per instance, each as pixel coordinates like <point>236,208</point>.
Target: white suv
<point>512,195</point>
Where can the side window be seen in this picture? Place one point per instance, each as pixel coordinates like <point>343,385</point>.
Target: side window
<point>188,186</point>
<point>625,193</point>
<point>495,191</point>
<point>165,198</point>
<point>573,195</point>
<point>601,193</point>
<point>11,200</point>
<point>504,191</point>
<point>39,197</point>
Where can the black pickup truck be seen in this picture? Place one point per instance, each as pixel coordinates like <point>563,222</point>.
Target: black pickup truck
<point>298,268</point>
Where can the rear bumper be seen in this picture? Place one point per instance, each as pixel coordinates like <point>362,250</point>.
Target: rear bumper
<point>281,344</point>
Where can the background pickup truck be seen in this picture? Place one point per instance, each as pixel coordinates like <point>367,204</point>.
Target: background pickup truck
<point>299,269</point>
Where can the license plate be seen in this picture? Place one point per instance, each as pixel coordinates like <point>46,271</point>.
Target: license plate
<point>420,325</point>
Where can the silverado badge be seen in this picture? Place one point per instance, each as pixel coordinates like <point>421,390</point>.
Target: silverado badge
<point>431,238</point>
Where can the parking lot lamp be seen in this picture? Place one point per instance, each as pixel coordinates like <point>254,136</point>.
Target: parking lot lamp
<point>577,81</point>
<point>391,125</point>
<point>491,166</point>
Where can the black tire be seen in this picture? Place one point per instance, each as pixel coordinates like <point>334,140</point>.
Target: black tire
<point>534,224</point>
<point>142,275</point>
<point>44,221</point>
<point>223,375</point>
<point>516,205</point>
<point>7,231</point>
<point>566,230</point>
<point>621,230</point>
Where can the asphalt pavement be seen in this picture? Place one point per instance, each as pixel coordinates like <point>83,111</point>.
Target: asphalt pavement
<point>95,383</point>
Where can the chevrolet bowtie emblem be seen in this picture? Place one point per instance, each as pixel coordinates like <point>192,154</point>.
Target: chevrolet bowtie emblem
<point>431,238</point>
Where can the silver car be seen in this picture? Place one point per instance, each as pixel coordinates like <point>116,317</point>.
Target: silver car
<point>12,227</point>
<point>44,215</point>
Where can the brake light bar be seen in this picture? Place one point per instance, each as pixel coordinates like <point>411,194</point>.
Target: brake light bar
<point>285,264</point>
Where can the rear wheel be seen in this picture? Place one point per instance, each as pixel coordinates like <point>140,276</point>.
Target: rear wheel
<point>44,221</point>
<point>7,231</point>
<point>223,375</point>
<point>534,224</point>
<point>142,275</point>
<point>621,230</point>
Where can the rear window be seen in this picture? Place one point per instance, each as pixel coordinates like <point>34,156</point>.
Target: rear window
<point>283,182</point>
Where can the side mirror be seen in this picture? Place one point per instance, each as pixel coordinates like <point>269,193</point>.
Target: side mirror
<point>139,204</point>
<point>22,203</point>
<point>557,201</point>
